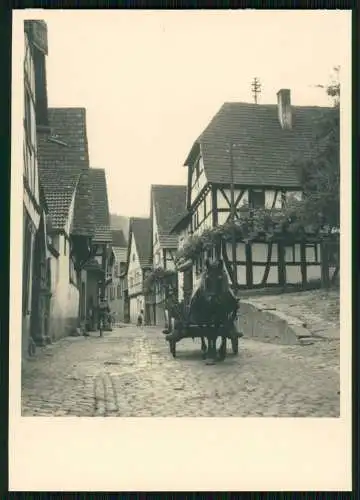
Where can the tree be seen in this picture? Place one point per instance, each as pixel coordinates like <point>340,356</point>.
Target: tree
<point>320,171</point>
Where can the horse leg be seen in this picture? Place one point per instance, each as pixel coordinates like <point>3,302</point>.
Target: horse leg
<point>211,349</point>
<point>203,347</point>
<point>222,349</point>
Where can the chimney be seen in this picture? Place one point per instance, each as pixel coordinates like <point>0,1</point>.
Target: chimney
<point>284,108</point>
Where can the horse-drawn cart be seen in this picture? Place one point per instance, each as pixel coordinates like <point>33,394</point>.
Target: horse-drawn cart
<point>210,314</point>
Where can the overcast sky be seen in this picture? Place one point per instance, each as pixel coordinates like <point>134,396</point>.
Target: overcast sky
<point>151,80</point>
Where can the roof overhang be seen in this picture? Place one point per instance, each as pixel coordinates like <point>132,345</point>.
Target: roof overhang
<point>194,152</point>
<point>181,224</point>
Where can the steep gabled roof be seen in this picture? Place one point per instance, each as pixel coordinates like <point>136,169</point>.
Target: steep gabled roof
<point>119,245</point>
<point>140,230</point>
<point>264,152</point>
<point>62,156</point>
<point>97,180</point>
<point>67,144</point>
<point>83,220</point>
<point>59,188</point>
<point>120,222</point>
<point>168,201</point>
<point>118,238</point>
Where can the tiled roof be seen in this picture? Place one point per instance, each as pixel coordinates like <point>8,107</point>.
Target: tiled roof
<point>68,143</point>
<point>100,205</point>
<point>59,187</point>
<point>83,220</point>
<point>120,222</point>
<point>141,231</point>
<point>120,254</point>
<point>169,202</point>
<point>264,152</point>
<point>118,238</point>
<point>62,156</point>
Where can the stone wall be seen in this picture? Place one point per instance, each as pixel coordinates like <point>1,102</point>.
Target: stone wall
<point>263,323</point>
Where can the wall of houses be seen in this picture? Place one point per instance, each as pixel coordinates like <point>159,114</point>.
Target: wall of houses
<point>135,283</point>
<point>65,294</point>
<point>115,293</point>
<point>31,216</point>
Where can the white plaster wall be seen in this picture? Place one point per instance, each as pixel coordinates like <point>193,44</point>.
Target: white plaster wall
<point>198,186</point>
<point>134,270</point>
<point>270,195</point>
<point>157,253</point>
<point>65,295</point>
<point>313,272</point>
<point>258,274</point>
<point>221,200</point>
<point>136,304</point>
<point>293,275</point>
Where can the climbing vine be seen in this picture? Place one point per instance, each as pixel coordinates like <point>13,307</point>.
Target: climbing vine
<point>254,224</point>
<point>158,275</point>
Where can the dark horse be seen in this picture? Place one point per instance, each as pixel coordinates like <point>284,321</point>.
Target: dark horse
<point>213,305</point>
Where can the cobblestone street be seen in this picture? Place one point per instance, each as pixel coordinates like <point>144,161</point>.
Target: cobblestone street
<point>130,372</point>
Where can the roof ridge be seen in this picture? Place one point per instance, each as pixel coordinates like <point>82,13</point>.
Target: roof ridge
<point>274,105</point>
<point>67,107</point>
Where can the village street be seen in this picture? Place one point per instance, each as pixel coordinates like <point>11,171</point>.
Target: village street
<point>129,372</point>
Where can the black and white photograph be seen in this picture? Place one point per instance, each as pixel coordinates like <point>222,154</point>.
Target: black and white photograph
<point>180,215</point>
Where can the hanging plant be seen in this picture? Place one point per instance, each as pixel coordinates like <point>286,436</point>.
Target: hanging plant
<point>254,224</point>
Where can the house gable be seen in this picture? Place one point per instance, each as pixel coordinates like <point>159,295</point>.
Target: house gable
<point>134,273</point>
<point>158,260</point>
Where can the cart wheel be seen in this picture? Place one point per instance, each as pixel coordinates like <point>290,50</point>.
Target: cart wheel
<point>235,345</point>
<point>172,344</point>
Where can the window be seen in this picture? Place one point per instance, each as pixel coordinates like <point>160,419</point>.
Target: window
<point>116,270</point>
<point>311,253</point>
<point>257,198</point>
<point>64,245</point>
<point>201,165</point>
<point>118,290</point>
<point>133,256</point>
<point>155,238</point>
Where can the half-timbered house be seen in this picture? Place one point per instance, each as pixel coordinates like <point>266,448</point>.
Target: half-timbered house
<point>245,158</point>
<point>167,201</point>
<point>36,271</point>
<point>139,264</point>
<point>116,289</point>
<point>80,236</point>
<point>99,267</point>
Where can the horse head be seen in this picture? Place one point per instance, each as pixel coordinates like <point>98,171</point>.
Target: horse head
<point>214,282</point>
